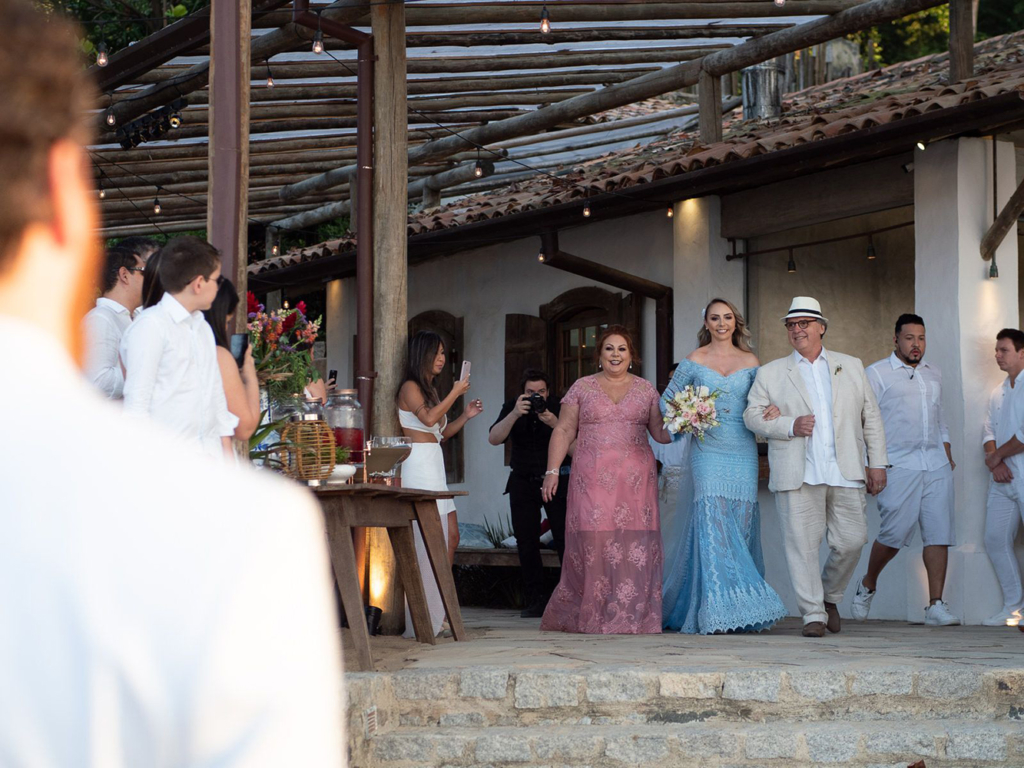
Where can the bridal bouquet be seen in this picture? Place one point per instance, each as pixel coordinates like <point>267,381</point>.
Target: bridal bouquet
<point>691,411</point>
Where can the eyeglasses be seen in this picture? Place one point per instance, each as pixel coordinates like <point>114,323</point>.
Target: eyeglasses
<point>801,324</point>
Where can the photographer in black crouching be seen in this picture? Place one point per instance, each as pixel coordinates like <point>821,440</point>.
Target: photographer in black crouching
<point>528,422</point>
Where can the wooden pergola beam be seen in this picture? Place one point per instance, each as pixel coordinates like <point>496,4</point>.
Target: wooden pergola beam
<point>961,40</point>
<point>709,101</point>
<point>1004,222</point>
<point>645,87</point>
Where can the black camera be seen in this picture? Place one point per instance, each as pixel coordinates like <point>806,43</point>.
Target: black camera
<point>538,404</point>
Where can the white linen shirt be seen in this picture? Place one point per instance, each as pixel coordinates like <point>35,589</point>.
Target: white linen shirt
<point>821,466</point>
<point>104,326</point>
<point>1006,420</point>
<point>910,400</point>
<point>159,611</point>
<point>173,376</point>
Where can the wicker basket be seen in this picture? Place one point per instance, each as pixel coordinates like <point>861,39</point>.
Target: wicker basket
<point>310,450</point>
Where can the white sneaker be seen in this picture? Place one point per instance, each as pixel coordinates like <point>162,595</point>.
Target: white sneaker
<point>861,602</point>
<point>1003,619</point>
<point>938,615</point>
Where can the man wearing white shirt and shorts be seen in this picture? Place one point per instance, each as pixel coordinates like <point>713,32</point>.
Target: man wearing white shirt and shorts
<point>920,488</point>
<point>1004,441</point>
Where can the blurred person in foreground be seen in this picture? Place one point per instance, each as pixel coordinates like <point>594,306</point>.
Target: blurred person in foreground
<point>170,356</point>
<point>156,612</point>
<point>241,387</point>
<point>106,323</point>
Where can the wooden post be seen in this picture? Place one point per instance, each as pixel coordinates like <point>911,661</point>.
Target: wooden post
<point>709,101</point>
<point>227,206</point>
<point>961,40</point>
<point>390,264</point>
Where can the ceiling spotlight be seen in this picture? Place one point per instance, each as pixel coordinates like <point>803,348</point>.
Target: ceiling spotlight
<point>545,21</point>
<point>101,55</point>
<point>318,42</point>
<point>791,266</point>
<point>907,167</point>
<point>871,249</point>
<point>922,146</point>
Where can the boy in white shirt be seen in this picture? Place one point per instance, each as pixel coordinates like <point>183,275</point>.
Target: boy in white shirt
<point>106,323</point>
<point>170,354</point>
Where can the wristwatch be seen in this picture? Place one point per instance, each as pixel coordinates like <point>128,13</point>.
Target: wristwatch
<point>552,472</point>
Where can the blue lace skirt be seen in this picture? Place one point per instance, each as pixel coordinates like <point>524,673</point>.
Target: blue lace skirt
<point>716,584</point>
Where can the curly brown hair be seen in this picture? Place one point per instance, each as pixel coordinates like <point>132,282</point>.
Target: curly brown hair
<point>617,330</point>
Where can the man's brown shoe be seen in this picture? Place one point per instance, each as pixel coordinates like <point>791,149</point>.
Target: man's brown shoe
<point>814,629</point>
<point>834,623</point>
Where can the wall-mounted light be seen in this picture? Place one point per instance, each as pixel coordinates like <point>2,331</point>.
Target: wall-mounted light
<point>670,213</point>
<point>922,146</point>
<point>791,266</point>
<point>871,248</point>
<point>993,270</point>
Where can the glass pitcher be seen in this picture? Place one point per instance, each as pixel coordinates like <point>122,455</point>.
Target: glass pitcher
<point>344,416</point>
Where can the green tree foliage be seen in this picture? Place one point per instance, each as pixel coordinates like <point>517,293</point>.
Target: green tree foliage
<point>927,32</point>
<point>117,24</point>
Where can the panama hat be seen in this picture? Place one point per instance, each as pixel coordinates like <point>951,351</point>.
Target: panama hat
<point>805,306</point>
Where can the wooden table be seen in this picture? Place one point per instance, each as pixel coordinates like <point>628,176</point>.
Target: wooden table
<point>379,506</point>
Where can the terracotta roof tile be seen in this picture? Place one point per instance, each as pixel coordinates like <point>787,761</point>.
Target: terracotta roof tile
<point>822,112</point>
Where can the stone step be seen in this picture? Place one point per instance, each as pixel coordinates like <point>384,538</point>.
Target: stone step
<point>793,745</point>
<point>490,696</point>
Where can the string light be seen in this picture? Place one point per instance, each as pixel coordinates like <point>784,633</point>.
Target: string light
<point>586,211</point>
<point>156,202</point>
<point>791,266</point>
<point>111,120</point>
<point>670,213</point>
<point>541,257</point>
<point>545,21</point>
<point>103,192</point>
<point>273,250</point>
<point>101,55</point>
<point>318,38</point>
<point>779,3</point>
<point>270,77</point>
<point>871,248</point>
<point>478,169</point>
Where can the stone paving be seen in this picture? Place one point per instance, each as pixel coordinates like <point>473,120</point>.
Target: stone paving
<point>501,638</point>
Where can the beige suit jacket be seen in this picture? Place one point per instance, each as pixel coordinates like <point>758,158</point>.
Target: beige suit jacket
<point>855,417</point>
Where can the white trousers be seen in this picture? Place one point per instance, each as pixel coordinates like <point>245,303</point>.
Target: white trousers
<point>808,514</point>
<point>1003,516</point>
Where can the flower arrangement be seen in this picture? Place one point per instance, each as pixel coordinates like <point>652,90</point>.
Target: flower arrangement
<point>691,411</point>
<point>280,342</point>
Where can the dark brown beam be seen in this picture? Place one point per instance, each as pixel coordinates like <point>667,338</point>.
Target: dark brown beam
<point>1004,222</point>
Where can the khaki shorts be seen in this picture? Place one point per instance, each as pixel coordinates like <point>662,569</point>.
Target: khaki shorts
<point>917,497</point>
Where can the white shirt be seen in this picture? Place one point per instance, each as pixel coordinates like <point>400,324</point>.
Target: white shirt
<point>160,611</point>
<point>821,466</point>
<point>104,326</point>
<point>173,376</point>
<point>1006,420</point>
<point>910,400</point>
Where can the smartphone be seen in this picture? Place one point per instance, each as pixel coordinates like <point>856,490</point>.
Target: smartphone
<point>239,343</point>
<point>465,370</point>
<point>332,376</point>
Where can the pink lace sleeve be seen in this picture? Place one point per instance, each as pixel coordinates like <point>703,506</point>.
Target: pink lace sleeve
<point>575,393</point>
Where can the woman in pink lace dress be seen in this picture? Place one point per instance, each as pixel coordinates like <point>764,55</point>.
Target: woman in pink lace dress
<point>611,573</point>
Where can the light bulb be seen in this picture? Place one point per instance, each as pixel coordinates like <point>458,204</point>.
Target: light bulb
<point>871,249</point>
<point>540,257</point>
<point>791,266</point>
<point>111,120</point>
<point>176,120</point>
<point>318,42</point>
<point>670,213</point>
<point>101,56</point>
<point>922,146</point>
<point>478,170</point>
<point>545,22</point>
<point>779,3</point>
<point>103,193</point>
<point>586,211</point>
<point>270,81</point>
<point>156,206</point>
<point>273,250</point>
<point>993,271</point>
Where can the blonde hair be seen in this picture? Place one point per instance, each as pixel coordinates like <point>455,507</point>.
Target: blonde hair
<point>740,336</point>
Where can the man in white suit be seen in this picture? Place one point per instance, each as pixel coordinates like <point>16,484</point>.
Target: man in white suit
<point>816,451</point>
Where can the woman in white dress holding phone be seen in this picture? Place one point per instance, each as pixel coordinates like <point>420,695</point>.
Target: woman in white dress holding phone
<point>423,416</point>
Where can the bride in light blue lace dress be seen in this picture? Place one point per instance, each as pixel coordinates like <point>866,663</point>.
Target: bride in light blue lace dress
<point>714,574</point>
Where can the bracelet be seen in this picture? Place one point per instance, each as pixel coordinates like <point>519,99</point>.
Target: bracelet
<point>552,472</point>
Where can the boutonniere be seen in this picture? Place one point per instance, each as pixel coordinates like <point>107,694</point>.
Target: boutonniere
<point>838,370</point>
